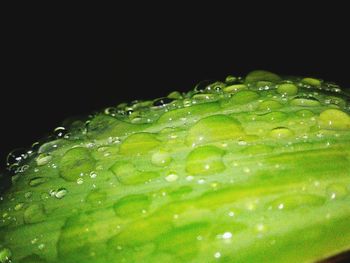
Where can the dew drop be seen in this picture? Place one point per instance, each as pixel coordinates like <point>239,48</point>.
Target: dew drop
<point>60,193</point>
<point>305,102</point>
<point>80,181</point>
<point>37,181</point>
<point>281,133</point>
<point>34,213</point>
<point>75,162</point>
<point>235,88</point>
<point>311,82</point>
<point>60,132</point>
<point>172,177</point>
<point>294,201</point>
<point>287,89</point>
<point>205,160</point>
<point>336,191</point>
<point>214,128</point>
<point>269,105</point>
<point>43,159</point>
<point>334,119</point>
<point>161,158</point>
<point>132,205</point>
<point>19,206</point>
<point>139,143</point>
<point>96,197</point>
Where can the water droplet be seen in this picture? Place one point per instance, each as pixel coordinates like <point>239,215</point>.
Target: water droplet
<point>334,119</point>
<point>93,175</point>
<point>243,97</point>
<point>34,213</point>
<point>131,205</point>
<point>214,128</point>
<point>96,197</point>
<point>227,235</point>
<point>16,156</point>
<point>41,246</point>
<point>80,181</point>
<point>75,162</point>
<point>269,105</point>
<point>258,75</point>
<point>5,255</point>
<point>336,191</point>
<point>230,79</point>
<point>311,82</point>
<point>139,143</point>
<point>205,160</point>
<point>203,85</point>
<point>37,181</point>
<point>235,88</point>
<point>161,158</point>
<point>305,102</point>
<point>60,132</point>
<point>287,89</point>
<point>19,206</point>
<point>281,133</point>
<point>162,102</point>
<point>217,255</point>
<point>60,193</point>
<point>305,113</point>
<point>172,177</point>
<point>28,195</point>
<point>43,159</point>
<point>294,201</point>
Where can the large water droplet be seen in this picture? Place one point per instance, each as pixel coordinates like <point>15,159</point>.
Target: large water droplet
<point>43,159</point>
<point>75,162</point>
<point>334,119</point>
<point>60,193</point>
<point>214,128</point>
<point>281,133</point>
<point>305,102</point>
<point>96,197</point>
<point>269,105</point>
<point>311,82</point>
<point>161,158</point>
<point>287,89</point>
<point>139,143</point>
<point>37,181</point>
<point>205,160</point>
<point>235,88</point>
<point>132,205</point>
<point>34,213</point>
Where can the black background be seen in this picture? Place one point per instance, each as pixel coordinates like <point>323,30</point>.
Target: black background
<point>54,69</point>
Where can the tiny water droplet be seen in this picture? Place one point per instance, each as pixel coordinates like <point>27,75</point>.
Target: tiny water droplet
<point>217,255</point>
